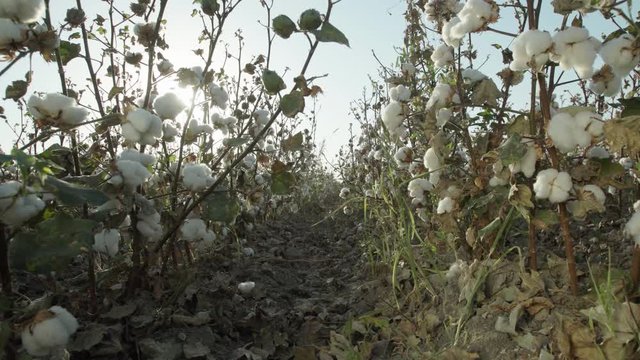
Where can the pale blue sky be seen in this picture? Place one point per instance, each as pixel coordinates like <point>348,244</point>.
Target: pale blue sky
<point>369,24</point>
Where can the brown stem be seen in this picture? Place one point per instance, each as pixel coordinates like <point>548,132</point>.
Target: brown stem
<point>635,269</point>
<point>5,271</point>
<point>152,53</point>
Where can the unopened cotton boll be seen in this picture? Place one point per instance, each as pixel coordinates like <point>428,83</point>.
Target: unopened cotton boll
<point>168,106</point>
<point>575,49</point>
<point>442,56</point>
<point>197,177</point>
<point>446,205</point>
<point>393,115</point>
<point>25,11</point>
<point>531,50</point>
<point>246,287</point>
<point>219,96</point>
<point>43,337</point>
<point>107,242</point>
<point>400,93</point>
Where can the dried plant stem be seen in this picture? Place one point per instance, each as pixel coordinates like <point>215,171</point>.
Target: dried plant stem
<point>635,269</point>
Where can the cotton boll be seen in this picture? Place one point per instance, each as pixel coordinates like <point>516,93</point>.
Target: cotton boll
<point>442,56</point>
<point>133,173</point>
<point>392,115</point>
<point>142,127</point>
<point>11,33</point>
<point>403,157</point>
<point>195,129</point>
<point>574,48</point>
<point>169,132</point>
<point>219,96</point>
<point>417,188</point>
<point>22,209</point>
<point>450,35</point>
<point>193,229</point>
<point>197,177</point>
<point>544,179</point>
<point>526,165</point>
<point>246,287</point>
<point>476,14</point>
<point>262,116</point>
<point>636,206</point>
<point>8,191</point>
<point>632,228</point>
<point>400,93</point>
<point>560,188</point>
<point>472,76</point>
<point>165,67</point>
<point>530,50</point>
<point>67,319</point>
<point>445,205</point>
<point>107,242</point>
<point>597,192</point>
<point>135,155</point>
<point>25,11</point>
<point>443,116</point>
<point>605,82</point>
<point>455,270</point>
<point>149,224</point>
<point>433,164</point>
<point>562,130</point>
<point>42,337</point>
<point>408,68</point>
<point>168,106</point>
<point>441,96</point>
<point>56,109</point>
<point>621,54</point>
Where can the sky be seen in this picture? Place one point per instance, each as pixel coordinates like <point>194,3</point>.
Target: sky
<point>371,25</point>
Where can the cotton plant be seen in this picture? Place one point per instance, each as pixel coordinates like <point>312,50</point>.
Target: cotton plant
<point>531,50</point>
<point>107,242</point>
<point>56,110</point>
<point>442,56</point>
<point>49,331</point>
<point>142,127</point>
<point>168,106</point>
<point>197,177</point>
<point>553,185</point>
<point>18,204</point>
<point>569,131</point>
<point>574,48</point>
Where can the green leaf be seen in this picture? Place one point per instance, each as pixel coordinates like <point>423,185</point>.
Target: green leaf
<point>52,245</point>
<point>329,33</point>
<point>236,141</point>
<point>221,206</point>
<point>291,104</point>
<point>16,90</point>
<point>631,106</point>
<point>72,195</point>
<point>116,90</point>
<point>68,51</point>
<point>512,150</point>
<point>491,228</point>
<point>282,183</point>
<point>544,219</point>
<point>293,143</point>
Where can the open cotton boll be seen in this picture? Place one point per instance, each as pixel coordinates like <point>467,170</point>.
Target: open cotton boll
<point>246,287</point>
<point>476,14</point>
<point>441,96</point>
<point>133,173</point>
<point>219,96</point>
<point>590,122</point>
<point>392,115</point>
<point>445,205</point>
<point>149,224</point>
<point>106,242</point>
<point>42,337</point>
<point>135,155</point>
<point>526,165</point>
<point>400,93</point>
<point>8,191</point>
<point>403,157</point>
<point>165,67</point>
<point>553,185</point>
<point>530,50</point>
<point>142,127</point>
<point>567,131</point>
<point>442,56</point>
<point>455,270</point>
<point>575,49</point>
<point>450,32</point>
<point>11,33</point>
<point>636,206</point>
<point>544,179</point>
<point>22,209</point>
<point>197,177</point>
<point>56,109</point>
<point>605,82</point>
<point>597,192</point>
<point>168,106</point>
<point>25,11</point>
<point>632,228</point>
<point>433,164</point>
<point>193,229</point>
<point>471,76</point>
<point>196,129</point>
<point>262,116</point>
<point>443,116</point>
<point>408,68</point>
<point>598,152</point>
<point>621,54</point>
<point>417,189</point>
<point>169,131</point>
